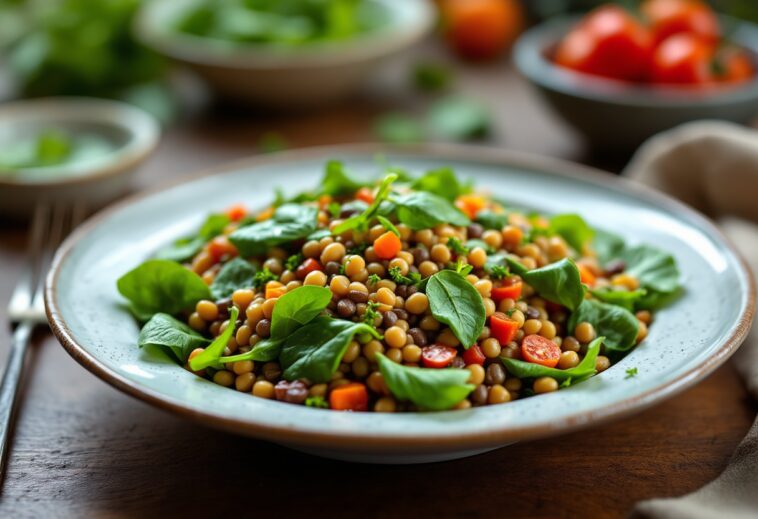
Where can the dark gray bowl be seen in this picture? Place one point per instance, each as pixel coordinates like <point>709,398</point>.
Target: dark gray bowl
<point>616,116</point>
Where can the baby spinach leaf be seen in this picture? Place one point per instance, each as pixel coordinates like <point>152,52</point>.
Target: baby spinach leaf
<point>458,118</point>
<point>185,248</point>
<point>435,389</point>
<point>441,182</point>
<point>573,229</point>
<point>476,242</point>
<point>164,331</point>
<point>319,234</point>
<point>398,128</point>
<point>558,282</point>
<point>422,210</point>
<point>624,298</point>
<point>315,350</point>
<point>491,220</point>
<point>362,220</point>
<point>582,371</point>
<point>298,307</point>
<point>162,286</point>
<point>336,181</point>
<point>607,245</point>
<point>235,274</point>
<point>211,355</point>
<point>290,222</point>
<point>655,269</point>
<point>455,302</point>
<point>264,351</point>
<point>617,325</point>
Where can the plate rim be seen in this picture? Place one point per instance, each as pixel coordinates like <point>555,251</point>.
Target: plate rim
<point>368,439</point>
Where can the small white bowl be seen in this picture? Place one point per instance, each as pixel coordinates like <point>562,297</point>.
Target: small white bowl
<point>284,77</point>
<point>132,133</point>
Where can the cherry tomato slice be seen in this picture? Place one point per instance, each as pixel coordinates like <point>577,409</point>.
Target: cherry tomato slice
<point>474,355</point>
<point>220,246</point>
<point>307,267</point>
<point>512,291</point>
<point>538,350</point>
<point>503,328</point>
<point>437,356</point>
<point>236,212</point>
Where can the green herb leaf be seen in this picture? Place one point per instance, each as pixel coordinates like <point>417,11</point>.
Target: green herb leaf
<point>455,302</point>
<point>619,326</point>
<point>608,246</point>
<point>319,402</point>
<point>557,282</point>
<point>631,373</point>
<point>582,371</point>
<point>294,261</point>
<point>459,119</point>
<point>422,210</point>
<point>262,277</point>
<point>235,274</point>
<point>168,333</point>
<point>315,350</point>
<point>573,229</point>
<point>441,182</point>
<point>362,220</point>
<point>432,77</point>
<point>297,308</point>
<point>455,245</point>
<point>624,298</point>
<point>398,128</point>
<point>187,247</point>
<point>290,222</point>
<point>162,286</point>
<point>435,389</point>
<point>492,220</point>
<point>656,271</point>
<point>388,225</point>
<point>211,355</point>
<point>336,181</point>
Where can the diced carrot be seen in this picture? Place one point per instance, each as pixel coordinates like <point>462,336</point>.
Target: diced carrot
<point>470,204</point>
<point>365,194</point>
<point>502,328</point>
<point>387,245</point>
<point>236,212</point>
<point>324,201</point>
<point>586,275</point>
<point>265,214</point>
<point>275,289</point>
<point>219,247</point>
<point>349,397</point>
<point>512,291</point>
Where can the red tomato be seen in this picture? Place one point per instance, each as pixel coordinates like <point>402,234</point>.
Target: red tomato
<point>538,350</point>
<point>437,356</point>
<point>683,59</point>
<point>481,29</point>
<point>474,355</point>
<point>609,42</point>
<point>669,17</point>
<point>220,246</point>
<point>365,194</point>
<point>502,328</point>
<point>236,212</point>
<point>512,291</point>
<point>307,267</point>
<point>734,66</point>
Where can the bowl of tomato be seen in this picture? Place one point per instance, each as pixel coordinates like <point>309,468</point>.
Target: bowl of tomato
<point>619,76</point>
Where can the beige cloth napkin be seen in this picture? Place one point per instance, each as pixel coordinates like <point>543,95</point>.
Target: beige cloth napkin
<point>713,166</point>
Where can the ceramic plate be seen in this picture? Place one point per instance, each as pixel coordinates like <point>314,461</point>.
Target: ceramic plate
<point>688,340</point>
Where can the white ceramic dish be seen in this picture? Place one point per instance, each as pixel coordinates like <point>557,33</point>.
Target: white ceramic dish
<point>132,134</point>
<point>284,78</point>
<point>688,340</point>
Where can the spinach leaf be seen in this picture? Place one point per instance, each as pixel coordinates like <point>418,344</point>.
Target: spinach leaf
<point>617,325</point>
<point>398,128</point>
<point>422,210</point>
<point>573,229</point>
<point>582,371</point>
<point>164,331</point>
<point>290,222</point>
<point>362,220</point>
<point>655,269</point>
<point>458,118</point>
<point>607,245</point>
<point>558,282</point>
<point>185,248</point>
<point>476,242</point>
<point>264,351</point>
<point>162,286</point>
<point>315,350</point>
<point>211,355</point>
<point>455,302</point>
<point>624,298</point>
<point>491,220</point>
<point>235,274</point>
<point>319,234</point>
<point>441,182</point>
<point>336,181</point>
<point>435,389</point>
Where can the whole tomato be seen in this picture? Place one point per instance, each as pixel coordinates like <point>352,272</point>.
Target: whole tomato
<point>669,17</point>
<point>608,42</point>
<point>481,29</point>
<point>683,59</point>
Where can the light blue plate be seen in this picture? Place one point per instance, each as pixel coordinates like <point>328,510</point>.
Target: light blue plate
<point>687,341</point>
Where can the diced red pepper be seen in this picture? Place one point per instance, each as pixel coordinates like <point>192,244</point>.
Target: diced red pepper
<point>220,246</point>
<point>502,328</point>
<point>474,355</point>
<point>512,291</point>
<point>365,194</point>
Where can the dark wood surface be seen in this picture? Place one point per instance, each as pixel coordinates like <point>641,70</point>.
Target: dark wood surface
<point>82,449</point>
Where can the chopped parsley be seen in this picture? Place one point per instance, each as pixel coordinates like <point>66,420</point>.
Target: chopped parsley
<point>316,401</point>
<point>371,313</point>
<point>456,246</point>
<point>294,261</point>
<point>358,248</point>
<point>498,272</point>
<point>335,209</point>
<point>464,269</point>
<point>263,276</point>
<point>373,279</point>
<point>413,278</point>
<point>631,373</point>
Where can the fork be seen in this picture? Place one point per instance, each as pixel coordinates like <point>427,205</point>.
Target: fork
<point>27,307</point>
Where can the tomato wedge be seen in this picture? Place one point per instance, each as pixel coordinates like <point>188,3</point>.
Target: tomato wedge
<point>307,267</point>
<point>538,350</point>
<point>437,356</point>
<point>474,355</point>
<point>502,328</point>
<point>512,291</point>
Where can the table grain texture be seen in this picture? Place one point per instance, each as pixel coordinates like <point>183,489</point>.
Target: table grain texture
<point>83,449</point>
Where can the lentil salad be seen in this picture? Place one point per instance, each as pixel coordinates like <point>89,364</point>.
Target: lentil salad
<point>404,294</point>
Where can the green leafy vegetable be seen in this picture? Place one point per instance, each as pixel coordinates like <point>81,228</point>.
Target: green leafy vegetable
<point>441,182</point>
<point>557,282</point>
<point>362,220</point>
<point>432,77</point>
<point>624,298</point>
<point>455,302</point>
<point>371,313</point>
<point>336,181</point>
<point>476,242</point>
<point>422,210</point>
<point>185,248</point>
<point>315,350</point>
<point>161,286</point>
<point>262,277</point>
<point>396,275</point>
<point>656,271</point>
<point>582,371</point>
<point>211,355</point>
<point>608,246</point>
<point>456,246</point>
<point>294,261</point>
<point>290,222</point>
<point>573,229</point>
<point>164,331</point>
<point>631,373</point>
<point>398,128</point>
<point>492,220</point>
<point>435,389</point>
<point>389,226</point>
<point>235,274</point>
<point>459,119</point>
<point>318,402</point>
<point>617,325</point>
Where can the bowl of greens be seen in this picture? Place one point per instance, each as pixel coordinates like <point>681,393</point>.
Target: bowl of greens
<point>435,305</point>
<point>283,53</point>
<point>70,149</point>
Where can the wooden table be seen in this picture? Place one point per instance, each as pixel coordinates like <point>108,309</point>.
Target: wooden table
<point>82,448</point>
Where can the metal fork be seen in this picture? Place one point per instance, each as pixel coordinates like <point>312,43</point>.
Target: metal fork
<point>27,307</point>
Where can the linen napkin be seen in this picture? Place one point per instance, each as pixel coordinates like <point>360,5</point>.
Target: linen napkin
<point>713,166</point>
